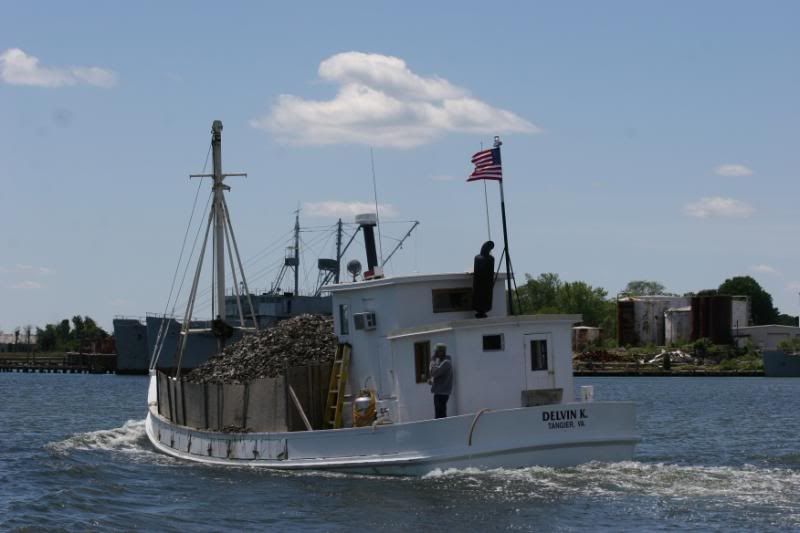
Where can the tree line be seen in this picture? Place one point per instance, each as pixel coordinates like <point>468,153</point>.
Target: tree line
<point>69,335</point>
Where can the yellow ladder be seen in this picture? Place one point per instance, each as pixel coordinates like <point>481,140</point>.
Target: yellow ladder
<point>335,400</point>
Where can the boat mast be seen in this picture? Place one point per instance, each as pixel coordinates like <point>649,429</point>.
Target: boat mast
<point>223,229</point>
<point>338,250</point>
<point>296,251</point>
<point>219,219</point>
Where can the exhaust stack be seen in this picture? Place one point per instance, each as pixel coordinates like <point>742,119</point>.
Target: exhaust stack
<point>367,222</point>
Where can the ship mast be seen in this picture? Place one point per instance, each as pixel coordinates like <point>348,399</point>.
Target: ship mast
<point>297,252</point>
<point>219,218</point>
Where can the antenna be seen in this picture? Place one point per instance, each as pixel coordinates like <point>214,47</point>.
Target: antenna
<point>377,214</point>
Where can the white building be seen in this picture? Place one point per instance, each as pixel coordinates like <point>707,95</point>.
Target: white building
<point>764,337</point>
<point>499,362</point>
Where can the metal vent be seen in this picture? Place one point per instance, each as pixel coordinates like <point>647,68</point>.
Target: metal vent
<point>364,321</point>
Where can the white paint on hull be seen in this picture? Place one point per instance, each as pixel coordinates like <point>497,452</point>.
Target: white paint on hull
<point>508,438</point>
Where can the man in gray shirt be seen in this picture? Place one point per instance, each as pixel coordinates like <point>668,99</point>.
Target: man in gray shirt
<point>441,380</point>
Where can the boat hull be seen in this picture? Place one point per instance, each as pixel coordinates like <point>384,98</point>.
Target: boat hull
<point>553,435</point>
<point>778,364</point>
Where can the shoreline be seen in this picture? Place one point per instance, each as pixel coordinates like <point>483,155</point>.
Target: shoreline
<point>667,374</point>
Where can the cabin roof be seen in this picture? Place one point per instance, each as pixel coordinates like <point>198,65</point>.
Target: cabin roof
<point>401,280</point>
<point>515,320</point>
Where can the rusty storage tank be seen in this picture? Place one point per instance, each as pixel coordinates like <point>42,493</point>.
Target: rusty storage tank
<point>677,325</point>
<point>626,323</point>
<point>711,318</point>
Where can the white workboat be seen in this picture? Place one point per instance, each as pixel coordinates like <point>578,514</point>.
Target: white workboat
<point>513,402</point>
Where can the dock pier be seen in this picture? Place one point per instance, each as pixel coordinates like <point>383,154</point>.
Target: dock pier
<point>66,363</point>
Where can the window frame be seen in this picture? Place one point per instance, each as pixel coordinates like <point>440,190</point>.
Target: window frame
<point>464,292</point>
<point>422,361</point>
<point>502,347</point>
<point>537,356</point>
<point>344,319</point>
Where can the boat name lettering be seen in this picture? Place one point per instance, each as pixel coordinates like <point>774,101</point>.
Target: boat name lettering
<point>564,419</point>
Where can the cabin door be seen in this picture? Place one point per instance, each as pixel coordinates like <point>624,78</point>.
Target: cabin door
<point>539,367</point>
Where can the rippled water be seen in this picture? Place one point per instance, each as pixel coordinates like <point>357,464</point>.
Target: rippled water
<point>716,454</point>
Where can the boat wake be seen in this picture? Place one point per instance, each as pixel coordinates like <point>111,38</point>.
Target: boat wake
<point>745,484</point>
<point>129,438</point>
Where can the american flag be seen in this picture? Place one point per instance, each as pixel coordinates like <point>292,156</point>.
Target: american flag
<point>487,165</point>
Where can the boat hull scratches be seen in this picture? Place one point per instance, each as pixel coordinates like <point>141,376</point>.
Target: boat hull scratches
<point>501,439</point>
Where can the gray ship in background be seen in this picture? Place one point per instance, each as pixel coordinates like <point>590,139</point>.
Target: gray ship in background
<point>137,339</point>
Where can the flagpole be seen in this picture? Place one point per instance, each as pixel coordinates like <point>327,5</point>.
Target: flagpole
<point>486,204</point>
<point>510,294</point>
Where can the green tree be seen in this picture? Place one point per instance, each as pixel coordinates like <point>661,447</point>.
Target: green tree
<point>643,287</point>
<point>60,337</point>
<point>760,300</point>
<point>46,338</point>
<point>62,331</point>
<point>540,295</point>
<point>548,294</point>
<point>580,297</point>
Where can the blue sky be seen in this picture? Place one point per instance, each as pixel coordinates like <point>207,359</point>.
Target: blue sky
<point>641,140</point>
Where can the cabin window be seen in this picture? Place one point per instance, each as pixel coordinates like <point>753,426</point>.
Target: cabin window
<point>493,343</point>
<point>344,319</point>
<point>449,300</point>
<point>538,355</point>
<point>422,361</point>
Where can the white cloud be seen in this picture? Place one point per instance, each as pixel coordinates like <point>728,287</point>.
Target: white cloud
<point>19,68</point>
<point>381,102</point>
<point>27,285</point>
<point>764,269</point>
<point>28,269</point>
<point>733,170</point>
<point>335,208</point>
<point>718,206</point>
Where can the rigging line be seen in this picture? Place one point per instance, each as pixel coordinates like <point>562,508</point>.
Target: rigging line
<point>305,263</point>
<point>184,303</point>
<point>486,202</point>
<point>186,233</point>
<point>189,259</point>
<point>316,229</point>
<point>180,258</point>
<point>205,300</point>
<point>272,267</point>
<point>269,248</point>
<point>317,239</point>
<point>282,241</point>
<point>312,244</point>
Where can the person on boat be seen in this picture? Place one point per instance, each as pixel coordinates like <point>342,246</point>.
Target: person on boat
<point>441,379</point>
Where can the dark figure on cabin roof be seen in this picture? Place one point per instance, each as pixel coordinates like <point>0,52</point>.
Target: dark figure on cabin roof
<point>441,380</point>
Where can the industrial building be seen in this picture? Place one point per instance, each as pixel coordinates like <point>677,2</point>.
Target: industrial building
<point>584,336</point>
<point>664,320</point>
<point>640,319</point>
